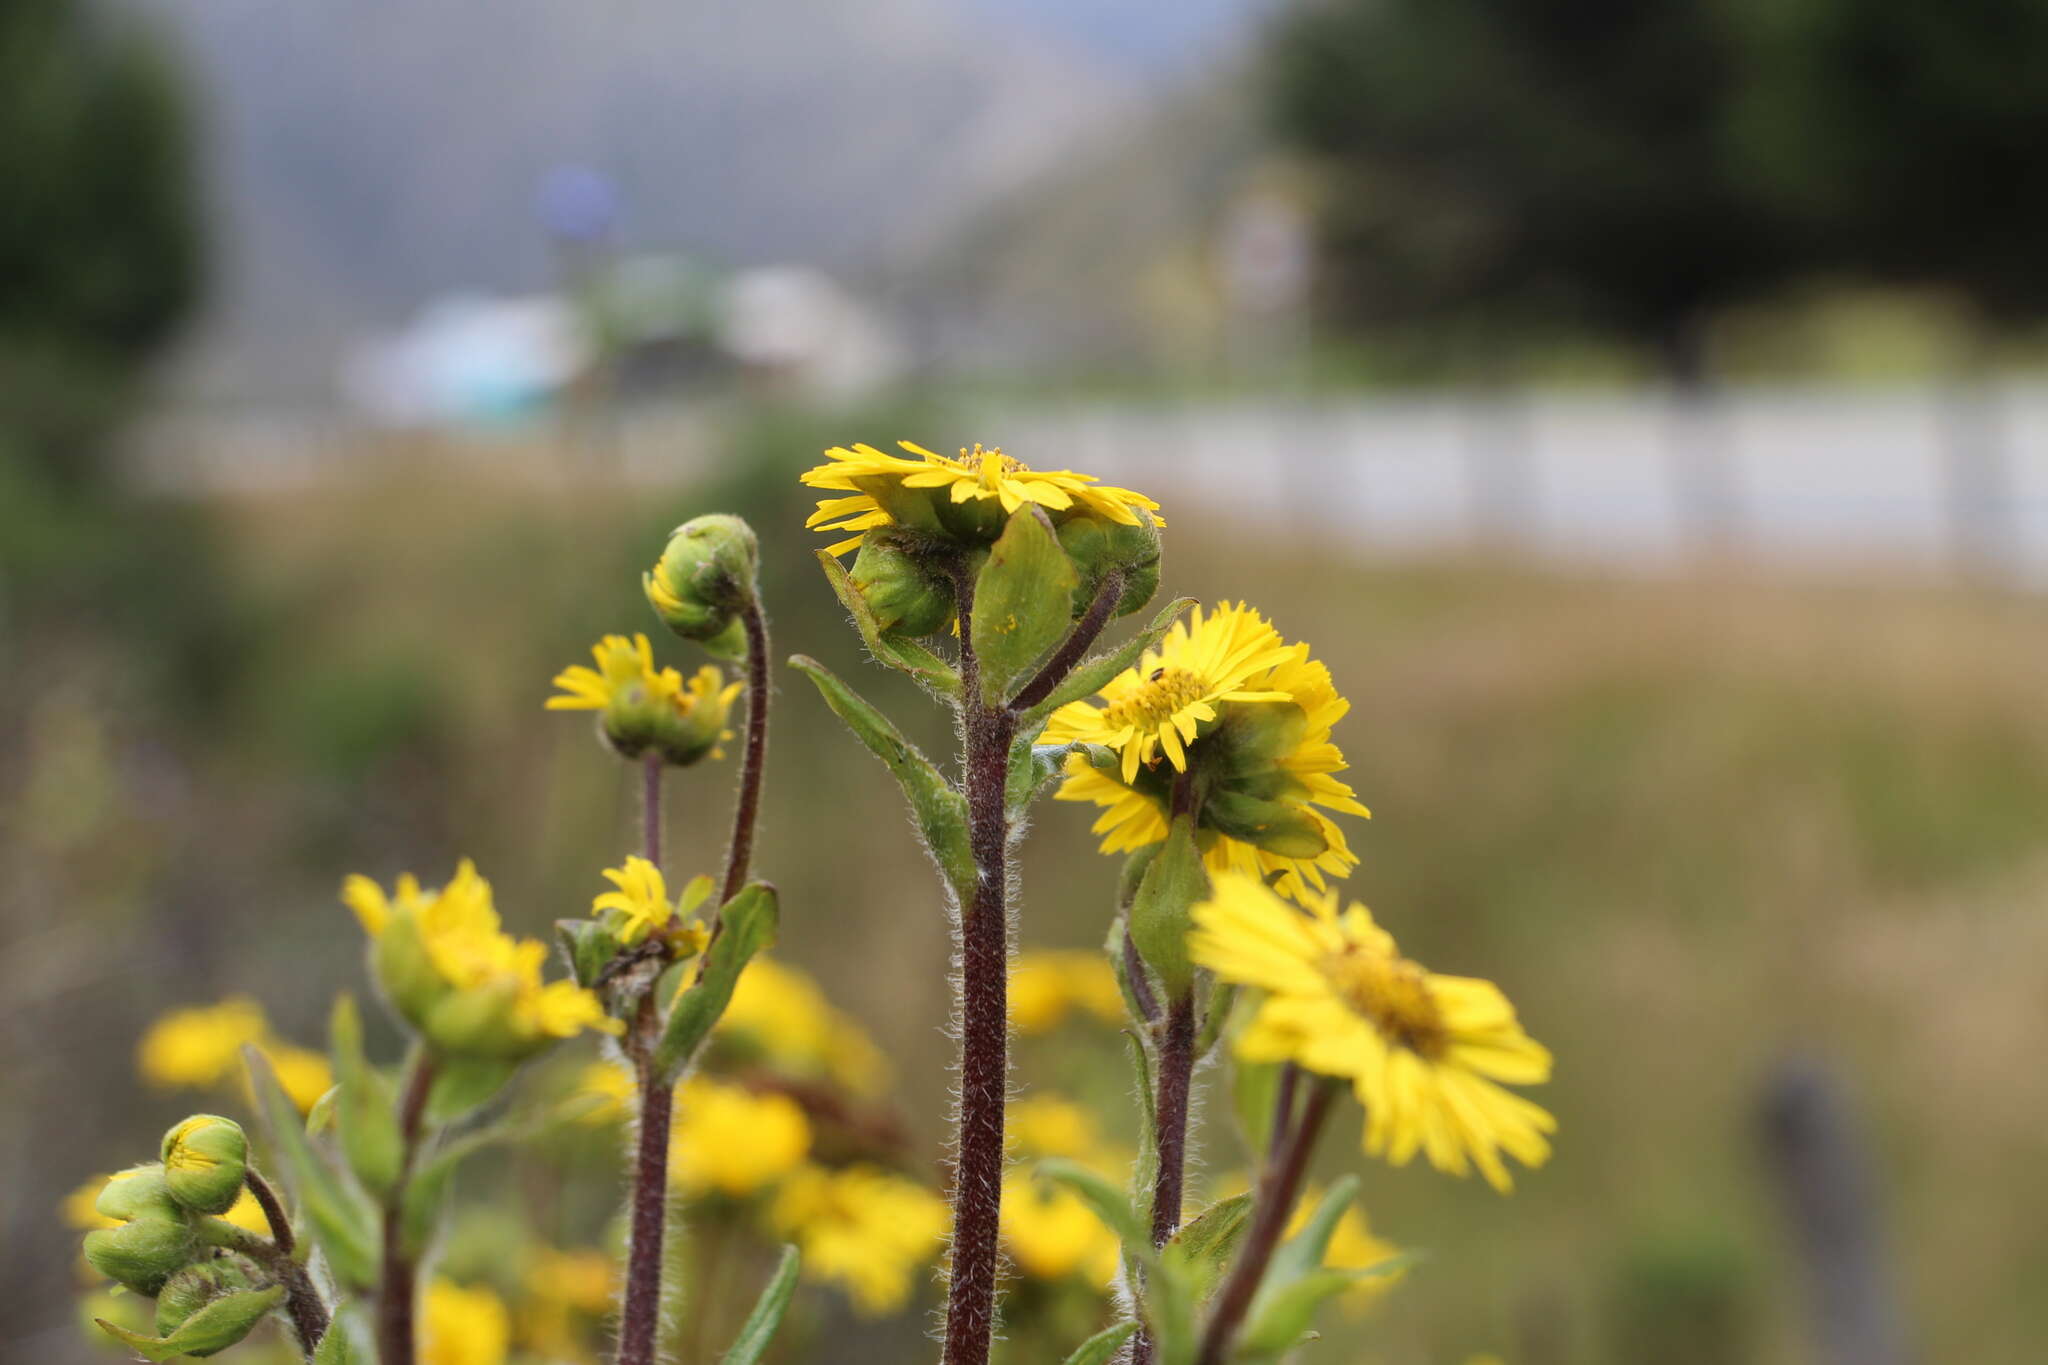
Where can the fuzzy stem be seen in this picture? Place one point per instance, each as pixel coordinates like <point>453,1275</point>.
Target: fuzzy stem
<point>308,1312</point>
<point>650,807</point>
<point>1170,1116</point>
<point>1279,1187</point>
<point>398,1287</point>
<point>640,1318</point>
<point>984,1014</point>
<point>741,850</point>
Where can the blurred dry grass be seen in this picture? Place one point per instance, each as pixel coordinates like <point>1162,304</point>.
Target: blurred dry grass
<point>1690,824</point>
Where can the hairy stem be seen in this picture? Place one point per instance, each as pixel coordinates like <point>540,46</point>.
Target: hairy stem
<point>650,806</point>
<point>302,1301</point>
<point>1279,1186</point>
<point>740,851</point>
<point>1084,634</point>
<point>1170,1116</point>
<point>640,1317</point>
<point>984,1016</point>
<point>398,1285</point>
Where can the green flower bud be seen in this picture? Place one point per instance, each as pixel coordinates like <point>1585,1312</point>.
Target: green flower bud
<point>704,576</point>
<point>142,1254</point>
<point>204,1161</point>
<point>1099,547</point>
<point>191,1289</point>
<point>481,1022</point>
<point>138,1192</point>
<point>403,969</point>
<point>908,594</point>
<point>211,1325</point>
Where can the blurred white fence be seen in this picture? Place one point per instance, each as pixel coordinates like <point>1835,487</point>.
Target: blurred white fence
<point>1925,478</point>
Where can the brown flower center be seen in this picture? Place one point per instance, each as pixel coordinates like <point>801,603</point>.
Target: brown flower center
<point>1393,993</point>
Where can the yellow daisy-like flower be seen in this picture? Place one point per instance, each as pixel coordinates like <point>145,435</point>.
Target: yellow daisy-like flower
<point>1425,1054</point>
<point>1160,706</point>
<point>1052,1234</point>
<point>1048,985</point>
<point>730,1141</point>
<point>864,1229</point>
<point>198,1048</point>
<point>642,897</point>
<point>464,1326</point>
<point>457,931</point>
<point>1050,1125</point>
<point>303,1074</point>
<point>642,705</point>
<point>972,493</point>
<point>1226,697</point>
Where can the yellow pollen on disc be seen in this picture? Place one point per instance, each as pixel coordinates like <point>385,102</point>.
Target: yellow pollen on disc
<point>1393,993</point>
<point>1165,692</point>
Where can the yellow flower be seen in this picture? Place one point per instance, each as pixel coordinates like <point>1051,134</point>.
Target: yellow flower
<point>1048,1125</point>
<point>449,943</point>
<point>644,706</point>
<point>970,495</point>
<point>567,1292</point>
<point>1052,1234</point>
<point>464,1326</point>
<point>779,1013</point>
<point>863,1229</point>
<point>199,1048</point>
<point>1046,986</point>
<point>303,1074</point>
<point>1424,1053</point>
<point>78,1207</point>
<point>246,1214</point>
<point>642,897</point>
<point>1250,716</point>
<point>611,1083</point>
<point>730,1141</point>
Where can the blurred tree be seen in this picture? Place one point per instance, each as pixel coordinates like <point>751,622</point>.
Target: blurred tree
<point>1568,157</point>
<point>100,247</point>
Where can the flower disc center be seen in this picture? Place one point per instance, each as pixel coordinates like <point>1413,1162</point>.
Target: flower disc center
<point>1155,700</point>
<point>1394,994</point>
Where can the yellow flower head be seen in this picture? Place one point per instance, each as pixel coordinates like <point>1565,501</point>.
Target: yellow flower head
<point>455,974</point>
<point>196,1049</point>
<point>864,1229</point>
<point>464,1326</point>
<point>1047,986</point>
<point>969,497</point>
<point>303,1074</point>
<point>730,1141</point>
<point>780,1017</point>
<point>641,897</point>
<point>1225,703</point>
<point>1048,1125</point>
<point>1052,1234</point>
<point>1425,1054</point>
<point>643,707</point>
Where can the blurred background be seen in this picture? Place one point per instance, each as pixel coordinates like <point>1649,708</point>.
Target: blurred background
<point>1642,408</point>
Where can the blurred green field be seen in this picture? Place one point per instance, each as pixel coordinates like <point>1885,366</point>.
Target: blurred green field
<point>1693,825</point>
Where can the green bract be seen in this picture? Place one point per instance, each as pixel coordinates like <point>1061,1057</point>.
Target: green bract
<point>204,1160</point>
<point>704,576</point>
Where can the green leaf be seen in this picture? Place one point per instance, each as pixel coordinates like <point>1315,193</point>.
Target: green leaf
<point>343,1222</point>
<point>1160,912</point>
<point>905,656</point>
<point>364,1110</point>
<point>1254,1089</point>
<point>1303,1253</point>
<point>217,1326</point>
<point>939,812</point>
<point>321,1116</point>
<point>463,1085</point>
<point>587,945</point>
<point>749,922</point>
<point>1023,603</point>
<point>759,1329</point>
<point>1098,1349</point>
<point>1278,1322</point>
<point>1206,1244</point>
<point>1093,673</point>
<point>342,1343</point>
<point>1215,1016</point>
<point>1105,1199</point>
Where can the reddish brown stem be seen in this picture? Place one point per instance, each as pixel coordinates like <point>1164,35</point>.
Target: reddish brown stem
<point>740,851</point>
<point>398,1285</point>
<point>302,1301</point>
<point>640,1319</point>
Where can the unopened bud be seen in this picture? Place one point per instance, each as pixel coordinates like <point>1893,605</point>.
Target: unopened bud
<point>191,1289</point>
<point>704,577</point>
<point>142,1254</point>
<point>1100,547</point>
<point>907,594</point>
<point>204,1161</point>
<point>138,1192</point>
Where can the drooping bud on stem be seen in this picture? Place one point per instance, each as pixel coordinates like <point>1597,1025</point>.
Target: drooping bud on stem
<point>705,575</point>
